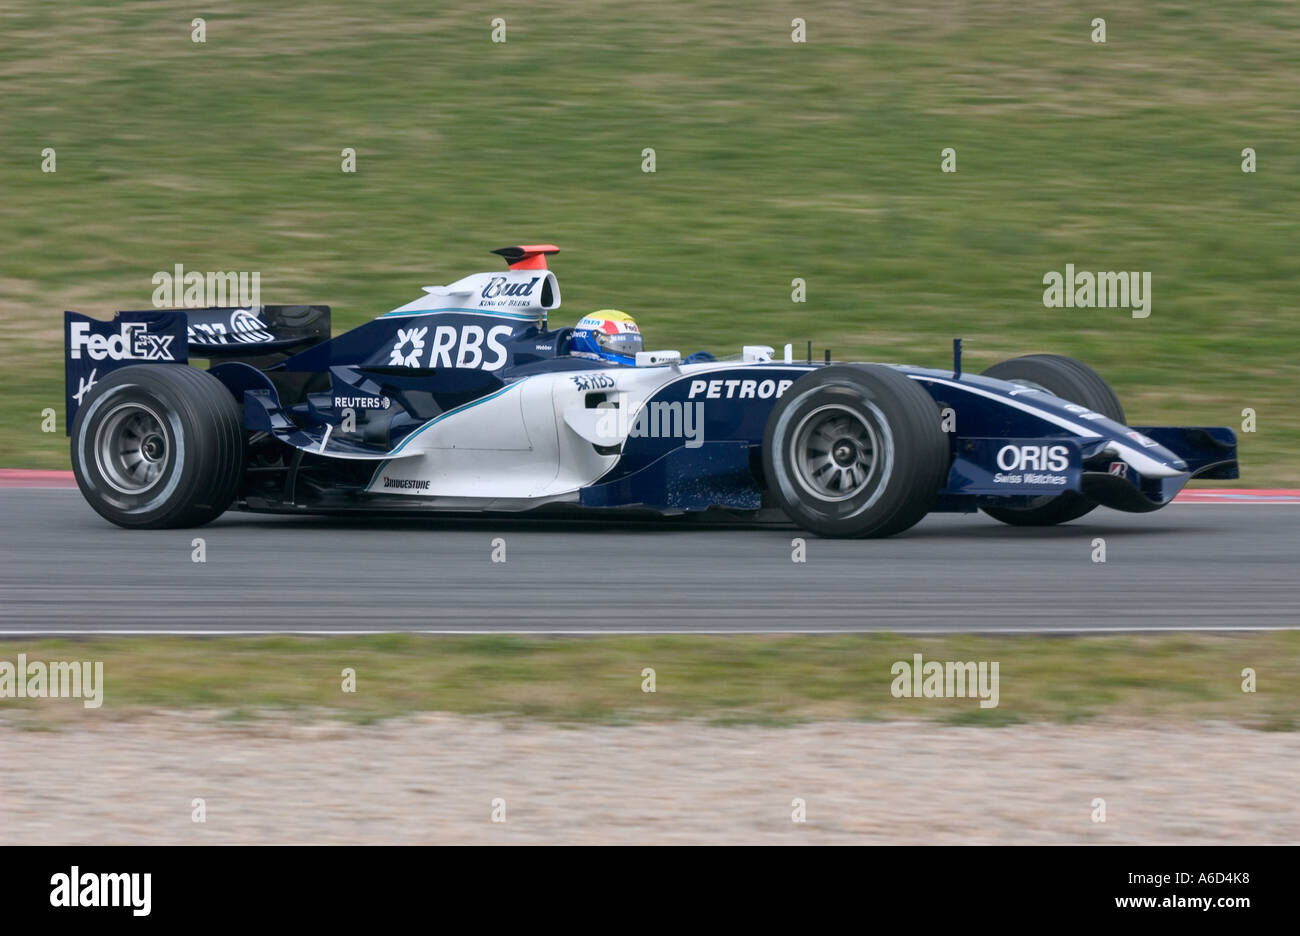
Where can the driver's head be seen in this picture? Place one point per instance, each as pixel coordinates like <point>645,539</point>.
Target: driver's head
<point>607,335</point>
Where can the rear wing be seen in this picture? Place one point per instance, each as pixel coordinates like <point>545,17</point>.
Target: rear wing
<point>94,348</point>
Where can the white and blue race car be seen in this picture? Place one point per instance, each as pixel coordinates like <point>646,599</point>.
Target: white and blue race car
<point>466,400</point>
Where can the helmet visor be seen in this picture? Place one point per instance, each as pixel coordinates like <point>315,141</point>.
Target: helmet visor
<point>624,343</point>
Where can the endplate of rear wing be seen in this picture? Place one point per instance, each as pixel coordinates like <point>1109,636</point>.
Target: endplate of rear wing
<point>94,348</point>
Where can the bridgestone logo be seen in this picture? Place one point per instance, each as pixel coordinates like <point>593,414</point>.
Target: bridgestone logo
<point>405,484</point>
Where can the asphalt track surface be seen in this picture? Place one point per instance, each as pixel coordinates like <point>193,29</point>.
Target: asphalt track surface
<point>1202,566</point>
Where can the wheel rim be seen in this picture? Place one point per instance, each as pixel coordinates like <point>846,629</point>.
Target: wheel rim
<point>131,448</point>
<point>836,452</point>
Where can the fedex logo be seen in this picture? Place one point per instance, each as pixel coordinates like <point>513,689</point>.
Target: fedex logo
<point>133,344</point>
<point>1033,457</point>
<point>468,346</point>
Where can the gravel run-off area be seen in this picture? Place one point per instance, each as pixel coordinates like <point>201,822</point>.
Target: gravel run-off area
<point>433,779</point>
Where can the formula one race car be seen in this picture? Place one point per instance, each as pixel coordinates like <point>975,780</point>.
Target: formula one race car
<point>465,399</point>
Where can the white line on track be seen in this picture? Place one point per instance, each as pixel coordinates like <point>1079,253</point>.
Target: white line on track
<point>548,632</point>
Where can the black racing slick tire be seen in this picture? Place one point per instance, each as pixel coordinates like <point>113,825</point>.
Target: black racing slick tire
<point>1070,380</point>
<point>855,450</point>
<point>158,446</point>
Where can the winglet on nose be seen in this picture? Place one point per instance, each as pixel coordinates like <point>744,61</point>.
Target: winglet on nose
<point>528,256</point>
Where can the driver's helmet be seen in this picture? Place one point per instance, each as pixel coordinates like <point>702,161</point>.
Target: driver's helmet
<point>606,335</point>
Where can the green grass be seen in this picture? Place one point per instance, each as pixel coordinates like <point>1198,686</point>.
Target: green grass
<point>725,680</point>
<point>775,160</point>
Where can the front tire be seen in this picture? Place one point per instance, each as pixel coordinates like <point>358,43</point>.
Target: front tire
<point>158,446</point>
<point>1070,380</point>
<point>855,450</point>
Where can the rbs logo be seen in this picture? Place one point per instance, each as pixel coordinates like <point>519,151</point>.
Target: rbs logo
<point>467,346</point>
<point>1033,458</point>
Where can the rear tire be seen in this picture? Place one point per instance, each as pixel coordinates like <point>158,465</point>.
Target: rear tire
<point>855,450</point>
<point>158,446</point>
<point>1070,380</point>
